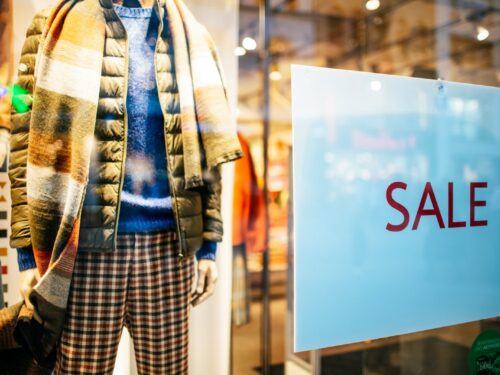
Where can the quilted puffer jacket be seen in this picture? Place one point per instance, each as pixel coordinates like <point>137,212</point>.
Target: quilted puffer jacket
<point>197,212</point>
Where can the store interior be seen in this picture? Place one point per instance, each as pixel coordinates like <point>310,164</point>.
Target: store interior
<point>455,40</point>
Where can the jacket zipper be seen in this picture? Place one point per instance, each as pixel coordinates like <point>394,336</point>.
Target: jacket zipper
<point>125,122</point>
<point>125,135</point>
<point>180,254</point>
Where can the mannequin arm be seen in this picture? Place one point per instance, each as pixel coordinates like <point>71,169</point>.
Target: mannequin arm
<point>212,233</point>
<point>207,278</point>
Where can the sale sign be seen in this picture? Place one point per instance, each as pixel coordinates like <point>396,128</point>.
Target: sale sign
<point>396,205</point>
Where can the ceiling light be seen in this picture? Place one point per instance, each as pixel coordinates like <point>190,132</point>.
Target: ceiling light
<point>240,51</point>
<point>249,43</point>
<point>275,75</point>
<point>482,33</point>
<point>372,4</point>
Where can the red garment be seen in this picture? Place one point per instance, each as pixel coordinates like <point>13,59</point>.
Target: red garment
<point>248,204</point>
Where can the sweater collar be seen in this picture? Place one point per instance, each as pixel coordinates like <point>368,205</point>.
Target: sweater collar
<point>133,12</point>
<point>158,7</point>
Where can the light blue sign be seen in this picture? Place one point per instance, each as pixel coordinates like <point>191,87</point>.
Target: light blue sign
<point>396,205</point>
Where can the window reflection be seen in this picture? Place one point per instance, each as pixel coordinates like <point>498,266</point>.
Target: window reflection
<point>454,40</point>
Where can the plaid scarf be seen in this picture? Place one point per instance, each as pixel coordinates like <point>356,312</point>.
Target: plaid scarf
<point>66,93</point>
<point>202,95</point>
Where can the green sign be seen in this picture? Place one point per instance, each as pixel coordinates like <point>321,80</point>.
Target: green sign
<point>484,357</point>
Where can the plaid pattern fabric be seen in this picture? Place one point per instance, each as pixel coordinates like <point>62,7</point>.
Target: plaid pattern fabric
<point>203,97</point>
<point>142,286</point>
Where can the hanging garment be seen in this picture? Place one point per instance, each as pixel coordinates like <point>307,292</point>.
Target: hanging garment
<point>248,204</point>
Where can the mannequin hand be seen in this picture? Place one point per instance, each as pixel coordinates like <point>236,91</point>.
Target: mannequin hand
<point>28,279</point>
<point>4,144</point>
<point>207,278</point>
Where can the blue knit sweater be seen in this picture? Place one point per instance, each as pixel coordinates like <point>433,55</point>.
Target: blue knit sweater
<point>145,197</point>
<point>145,201</point>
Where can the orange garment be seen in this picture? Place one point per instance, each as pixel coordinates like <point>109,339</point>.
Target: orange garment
<point>248,204</point>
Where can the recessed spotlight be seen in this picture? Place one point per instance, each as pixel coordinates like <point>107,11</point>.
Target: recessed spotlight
<point>249,43</point>
<point>372,4</point>
<point>275,75</point>
<point>482,33</point>
<point>240,51</point>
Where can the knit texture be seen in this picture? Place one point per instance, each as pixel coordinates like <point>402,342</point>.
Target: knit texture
<point>61,128</point>
<point>207,251</point>
<point>145,202</point>
<point>145,198</point>
<point>208,127</point>
<point>25,258</point>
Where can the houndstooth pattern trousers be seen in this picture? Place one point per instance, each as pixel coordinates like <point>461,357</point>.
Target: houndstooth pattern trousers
<point>141,286</point>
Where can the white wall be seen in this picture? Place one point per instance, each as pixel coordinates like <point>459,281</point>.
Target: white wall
<point>211,322</point>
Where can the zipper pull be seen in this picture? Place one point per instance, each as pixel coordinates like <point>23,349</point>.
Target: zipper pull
<point>180,257</point>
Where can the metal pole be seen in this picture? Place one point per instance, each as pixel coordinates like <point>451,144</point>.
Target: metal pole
<point>264,14</point>
<point>315,356</point>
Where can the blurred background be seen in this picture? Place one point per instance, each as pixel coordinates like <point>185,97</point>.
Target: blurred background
<point>247,326</point>
<point>455,40</point>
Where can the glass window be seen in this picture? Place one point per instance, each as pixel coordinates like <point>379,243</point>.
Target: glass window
<point>455,40</point>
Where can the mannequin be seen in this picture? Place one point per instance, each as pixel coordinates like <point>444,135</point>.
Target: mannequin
<point>207,269</point>
<point>134,285</point>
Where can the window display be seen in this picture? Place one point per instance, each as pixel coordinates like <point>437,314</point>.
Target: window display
<point>138,179</point>
<point>452,40</point>
<point>93,71</point>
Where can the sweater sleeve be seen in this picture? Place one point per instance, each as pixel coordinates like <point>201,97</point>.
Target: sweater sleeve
<point>207,251</point>
<point>25,258</point>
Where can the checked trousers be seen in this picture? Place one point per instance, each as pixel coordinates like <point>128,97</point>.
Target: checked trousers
<point>141,286</point>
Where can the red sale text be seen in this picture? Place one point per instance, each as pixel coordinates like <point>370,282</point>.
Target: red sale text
<point>428,199</point>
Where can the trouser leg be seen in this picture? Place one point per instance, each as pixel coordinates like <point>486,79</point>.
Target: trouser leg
<point>96,311</point>
<point>158,304</point>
